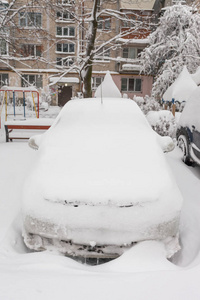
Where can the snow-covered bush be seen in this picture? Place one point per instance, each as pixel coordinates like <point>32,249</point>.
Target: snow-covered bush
<point>147,104</point>
<point>43,105</point>
<point>29,101</point>
<point>45,95</point>
<point>163,122</point>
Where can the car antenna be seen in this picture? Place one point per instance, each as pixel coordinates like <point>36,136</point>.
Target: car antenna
<point>101,95</point>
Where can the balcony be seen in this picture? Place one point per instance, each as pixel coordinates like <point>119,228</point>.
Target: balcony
<point>129,33</point>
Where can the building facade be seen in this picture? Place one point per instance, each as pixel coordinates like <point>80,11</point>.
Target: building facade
<point>42,45</point>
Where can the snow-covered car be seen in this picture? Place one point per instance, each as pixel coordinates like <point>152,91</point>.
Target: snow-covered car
<point>188,130</point>
<point>100,182</point>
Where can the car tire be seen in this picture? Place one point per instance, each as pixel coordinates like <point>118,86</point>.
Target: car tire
<point>183,143</point>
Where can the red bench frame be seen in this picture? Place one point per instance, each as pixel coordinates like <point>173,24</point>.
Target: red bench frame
<point>9,128</point>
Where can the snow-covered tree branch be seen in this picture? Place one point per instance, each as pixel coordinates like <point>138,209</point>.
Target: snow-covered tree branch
<point>80,33</point>
<point>174,43</point>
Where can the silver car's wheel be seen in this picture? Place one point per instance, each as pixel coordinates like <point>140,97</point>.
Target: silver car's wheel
<point>184,146</point>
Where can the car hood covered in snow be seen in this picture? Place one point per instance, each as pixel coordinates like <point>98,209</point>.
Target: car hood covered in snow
<point>102,154</point>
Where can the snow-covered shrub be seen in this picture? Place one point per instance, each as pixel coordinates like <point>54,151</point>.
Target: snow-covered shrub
<point>147,104</point>
<point>29,102</point>
<point>45,95</point>
<point>163,122</point>
<point>30,105</point>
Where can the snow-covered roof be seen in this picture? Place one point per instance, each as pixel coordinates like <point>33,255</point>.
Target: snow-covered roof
<point>17,88</point>
<point>64,80</point>
<point>103,72</point>
<point>134,41</point>
<point>182,87</point>
<point>137,4</point>
<point>42,70</point>
<point>108,88</point>
<point>4,2</point>
<point>130,67</point>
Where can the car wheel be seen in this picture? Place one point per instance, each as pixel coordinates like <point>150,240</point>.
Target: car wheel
<point>183,144</point>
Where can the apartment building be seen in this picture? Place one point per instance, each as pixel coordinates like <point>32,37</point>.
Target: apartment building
<point>44,43</point>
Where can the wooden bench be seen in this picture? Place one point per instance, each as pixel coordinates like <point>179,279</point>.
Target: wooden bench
<point>23,131</point>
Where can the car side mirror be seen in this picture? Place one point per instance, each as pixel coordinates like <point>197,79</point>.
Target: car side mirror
<point>34,141</point>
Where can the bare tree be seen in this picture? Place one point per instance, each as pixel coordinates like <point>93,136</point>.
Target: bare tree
<point>86,68</point>
<point>21,28</point>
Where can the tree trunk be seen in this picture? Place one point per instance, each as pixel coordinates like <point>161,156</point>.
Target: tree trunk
<point>86,72</point>
<point>87,82</point>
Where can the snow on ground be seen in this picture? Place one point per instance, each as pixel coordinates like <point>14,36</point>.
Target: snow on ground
<point>141,273</point>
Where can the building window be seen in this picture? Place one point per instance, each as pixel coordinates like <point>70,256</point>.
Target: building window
<point>30,19</point>
<point>35,80</point>
<point>65,2</point>
<point>64,16</point>
<point>3,47</point>
<point>96,81</point>
<point>65,48</point>
<point>31,50</point>
<point>131,85</point>
<point>65,31</point>
<point>129,22</point>
<point>66,62</point>
<point>103,54</point>
<point>4,79</point>
<point>131,52</point>
<point>104,23</point>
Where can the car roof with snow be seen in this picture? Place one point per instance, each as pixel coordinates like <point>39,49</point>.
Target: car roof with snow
<point>102,152</point>
<point>190,115</point>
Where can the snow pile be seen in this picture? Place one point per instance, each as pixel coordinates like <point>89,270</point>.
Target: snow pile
<point>107,88</point>
<point>182,87</point>
<point>145,256</point>
<point>191,112</point>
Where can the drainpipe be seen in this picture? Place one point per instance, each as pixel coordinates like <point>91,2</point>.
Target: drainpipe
<point>117,64</point>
